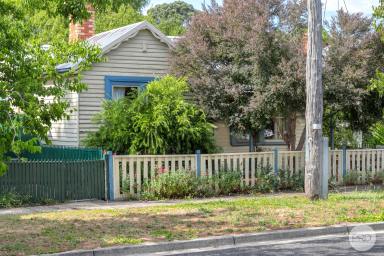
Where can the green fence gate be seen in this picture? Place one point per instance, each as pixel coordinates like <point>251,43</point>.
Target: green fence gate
<point>59,180</point>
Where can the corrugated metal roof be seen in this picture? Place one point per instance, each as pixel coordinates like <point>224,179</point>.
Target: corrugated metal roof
<point>104,39</point>
<point>111,39</point>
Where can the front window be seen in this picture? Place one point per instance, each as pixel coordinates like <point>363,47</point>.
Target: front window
<point>239,138</point>
<point>275,129</point>
<point>124,91</point>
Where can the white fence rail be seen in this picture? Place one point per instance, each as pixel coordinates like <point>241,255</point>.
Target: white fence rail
<point>131,171</point>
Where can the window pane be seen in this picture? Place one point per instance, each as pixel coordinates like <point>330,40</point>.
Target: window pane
<point>128,91</point>
<point>131,92</point>
<point>118,93</point>
<point>275,129</point>
<point>239,139</point>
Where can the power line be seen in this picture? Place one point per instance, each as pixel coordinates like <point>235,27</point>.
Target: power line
<point>346,8</point>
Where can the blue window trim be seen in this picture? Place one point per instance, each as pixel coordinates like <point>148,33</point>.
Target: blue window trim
<point>124,81</point>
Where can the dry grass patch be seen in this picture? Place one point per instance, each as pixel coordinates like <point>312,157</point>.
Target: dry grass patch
<point>86,229</point>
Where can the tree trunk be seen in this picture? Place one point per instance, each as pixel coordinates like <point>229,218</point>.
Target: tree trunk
<point>290,139</point>
<point>332,132</point>
<point>314,103</point>
<point>292,131</point>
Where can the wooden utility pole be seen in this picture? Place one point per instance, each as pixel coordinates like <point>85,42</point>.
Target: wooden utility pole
<point>314,104</point>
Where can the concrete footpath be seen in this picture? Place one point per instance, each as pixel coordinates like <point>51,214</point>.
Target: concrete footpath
<point>100,205</point>
<point>272,237</point>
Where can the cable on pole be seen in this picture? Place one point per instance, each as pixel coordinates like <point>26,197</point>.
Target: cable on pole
<point>346,8</point>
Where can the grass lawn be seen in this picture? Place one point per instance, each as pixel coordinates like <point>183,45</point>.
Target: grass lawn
<point>86,229</point>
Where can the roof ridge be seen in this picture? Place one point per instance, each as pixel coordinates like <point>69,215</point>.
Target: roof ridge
<point>117,29</point>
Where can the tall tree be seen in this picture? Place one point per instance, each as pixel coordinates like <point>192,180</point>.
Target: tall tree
<point>286,93</point>
<point>245,62</point>
<point>353,53</point>
<point>229,55</point>
<point>172,18</point>
<point>76,9</point>
<point>50,18</point>
<point>25,69</point>
<point>111,19</point>
<point>378,15</point>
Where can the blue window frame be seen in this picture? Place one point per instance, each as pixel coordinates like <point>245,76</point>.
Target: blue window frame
<point>124,81</point>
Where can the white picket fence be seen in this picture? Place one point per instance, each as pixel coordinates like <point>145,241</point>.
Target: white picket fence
<point>133,170</point>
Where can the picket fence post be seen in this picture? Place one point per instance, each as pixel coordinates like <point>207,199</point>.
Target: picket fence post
<point>344,160</point>
<point>324,176</point>
<point>198,162</point>
<point>276,160</point>
<point>111,193</point>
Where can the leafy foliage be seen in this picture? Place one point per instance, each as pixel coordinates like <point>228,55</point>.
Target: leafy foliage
<point>12,199</point>
<point>51,23</point>
<point>9,200</point>
<point>171,18</point>
<point>25,70</point>
<point>246,63</point>
<point>229,54</point>
<point>378,14</point>
<point>352,178</point>
<point>158,121</point>
<point>111,19</point>
<point>377,131</point>
<point>76,9</point>
<point>353,54</point>
<point>182,184</point>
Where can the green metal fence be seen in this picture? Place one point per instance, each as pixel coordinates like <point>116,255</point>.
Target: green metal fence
<point>64,153</point>
<point>59,180</point>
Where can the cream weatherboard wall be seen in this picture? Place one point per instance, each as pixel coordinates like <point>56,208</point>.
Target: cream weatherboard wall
<point>66,132</point>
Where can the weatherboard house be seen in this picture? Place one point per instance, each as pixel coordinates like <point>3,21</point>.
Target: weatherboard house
<point>135,55</point>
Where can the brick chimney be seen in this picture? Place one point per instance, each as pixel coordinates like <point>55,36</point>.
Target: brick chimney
<point>84,30</point>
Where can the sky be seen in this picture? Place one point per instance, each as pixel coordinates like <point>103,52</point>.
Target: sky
<point>364,6</point>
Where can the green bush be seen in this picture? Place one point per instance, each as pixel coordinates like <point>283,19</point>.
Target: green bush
<point>377,179</point>
<point>183,184</point>
<point>266,180</point>
<point>157,121</point>
<point>227,182</point>
<point>172,185</point>
<point>352,178</point>
<point>11,199</point>
<point>291,181</point>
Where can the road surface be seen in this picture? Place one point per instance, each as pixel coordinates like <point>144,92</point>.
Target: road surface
<point>326,245</point>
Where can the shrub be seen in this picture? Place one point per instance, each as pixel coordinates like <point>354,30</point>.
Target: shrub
<point>157,121</point>
<point>266,180</point>
<point>352,178</point>
<point>228,182</point>
<point>378,178</point>
<point>291,181</point>
<point>183,184</point>
<point>205,187</point>
<point>12,199</point>
<point>172,185</point>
